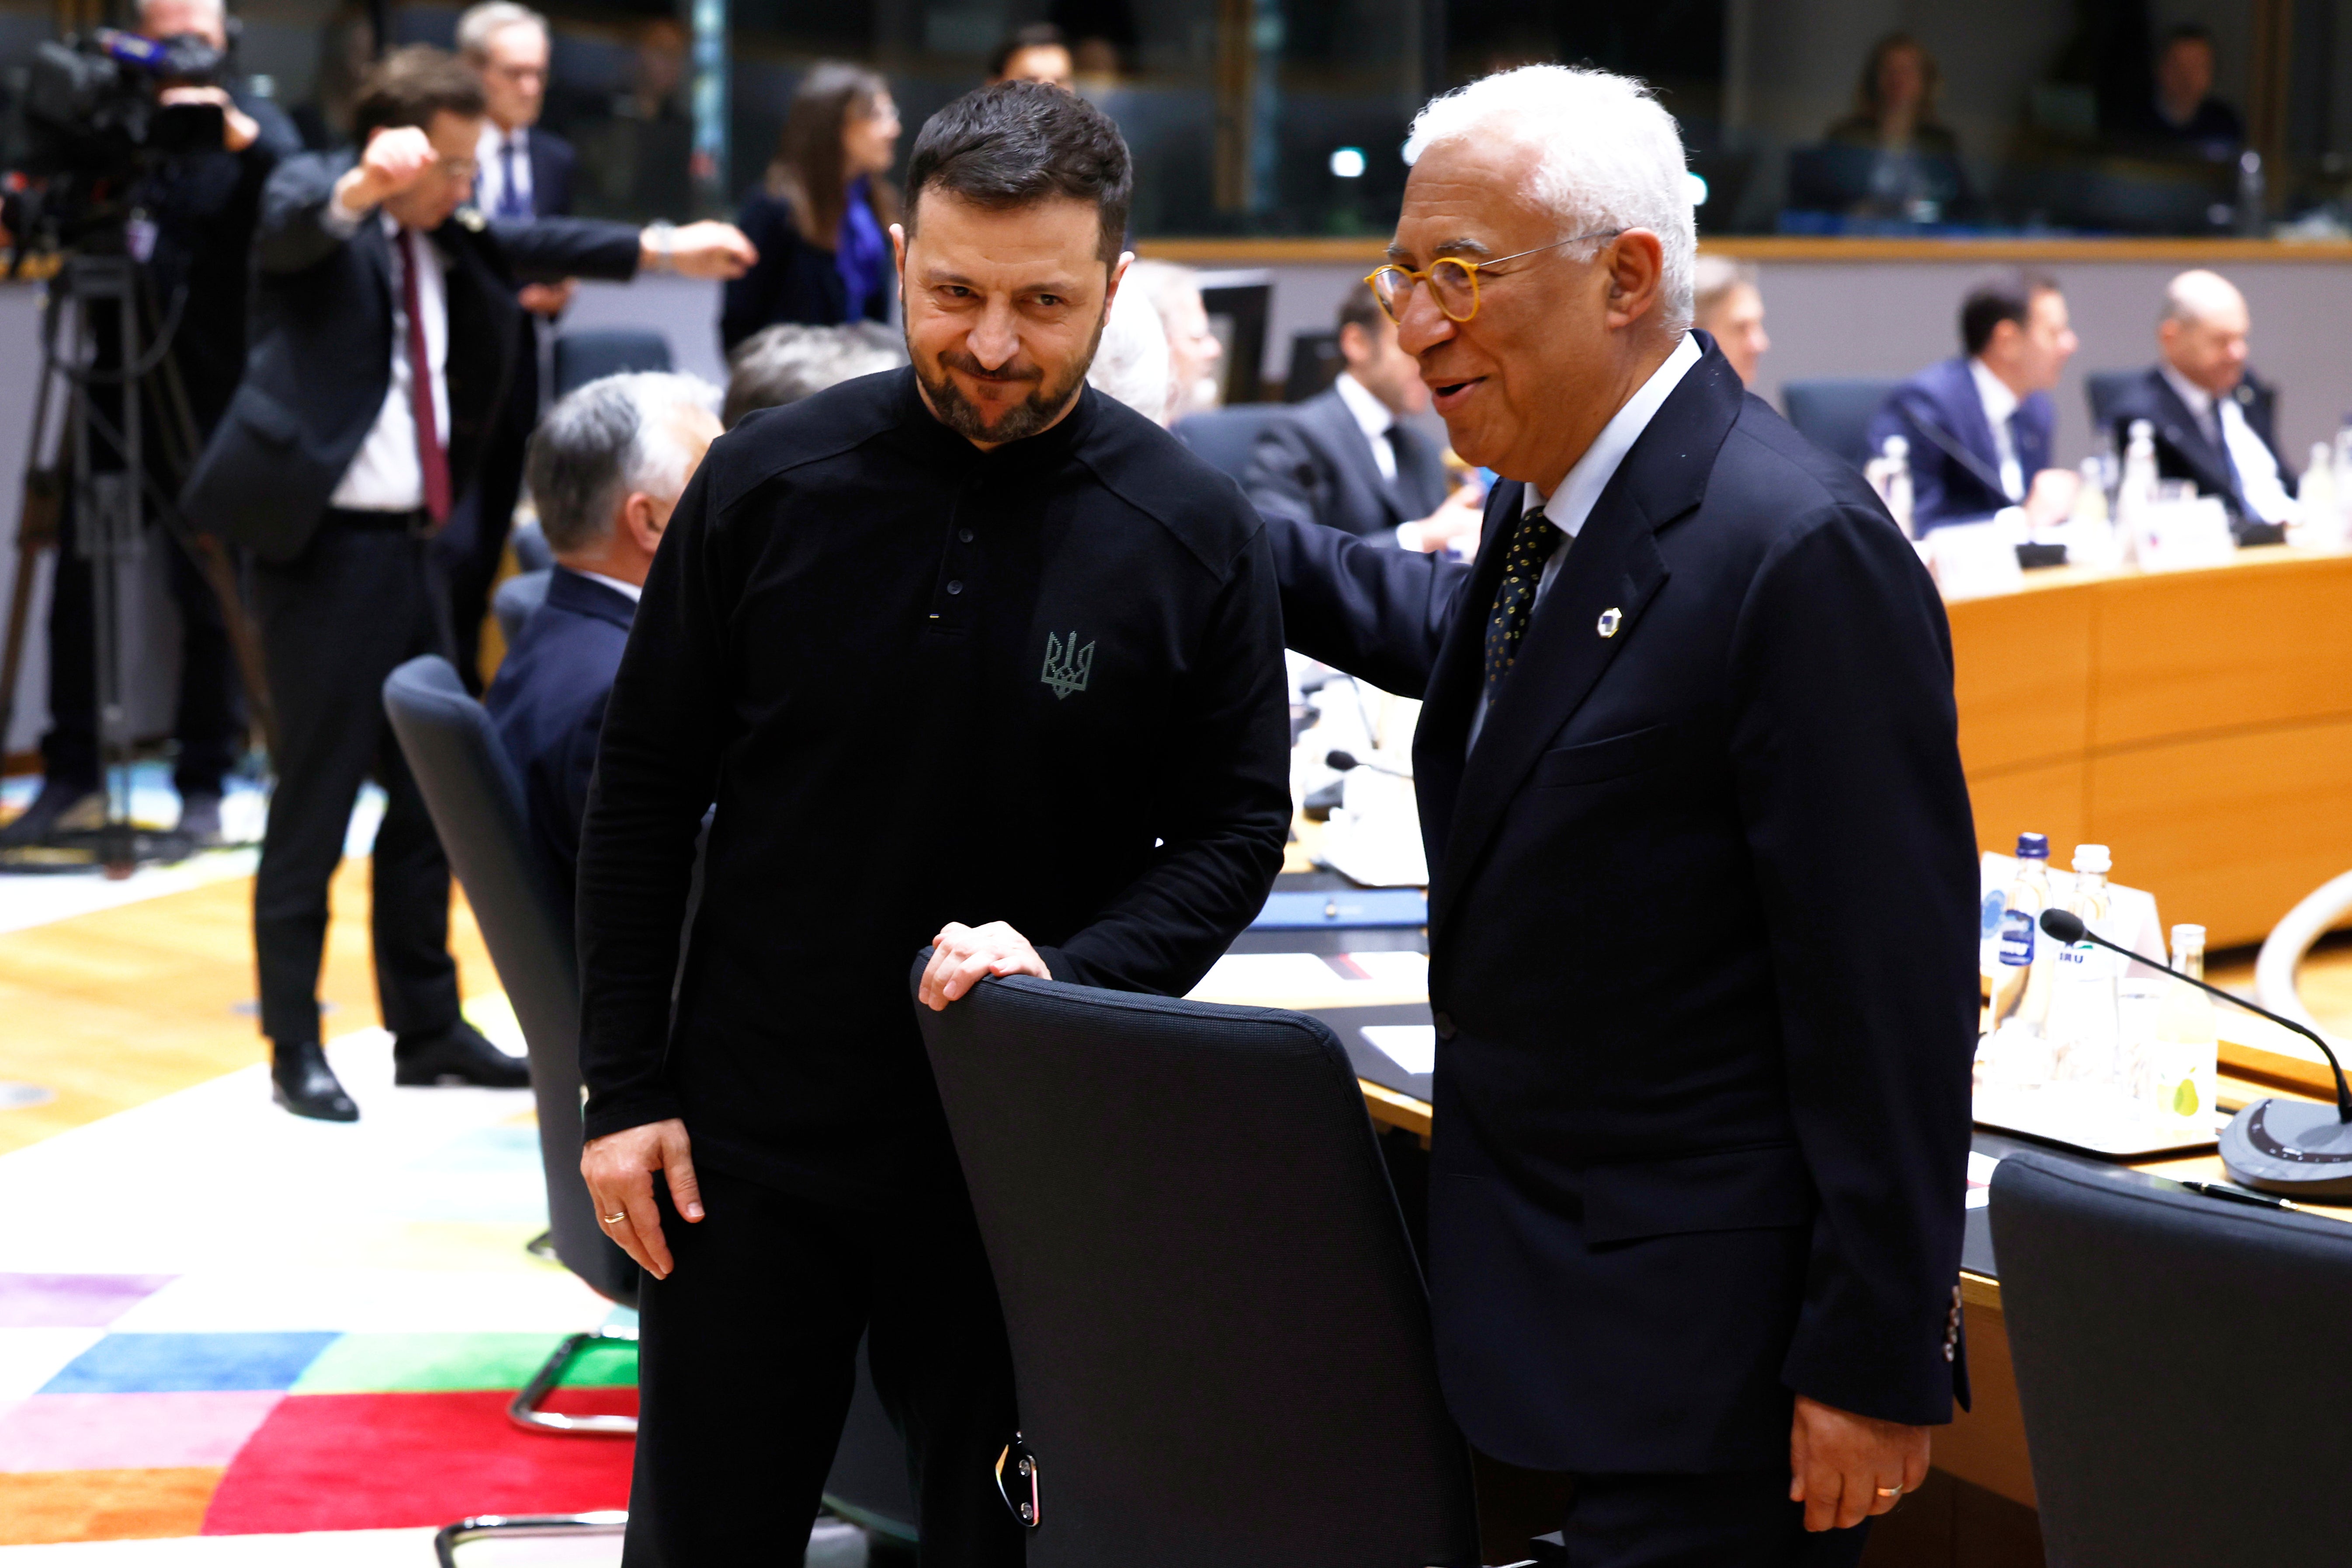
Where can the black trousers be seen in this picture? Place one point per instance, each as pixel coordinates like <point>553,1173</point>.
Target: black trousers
<point>1740,1520</point>
<point>336,620</point>
<point>748,1359</point>
<point>209,723</point>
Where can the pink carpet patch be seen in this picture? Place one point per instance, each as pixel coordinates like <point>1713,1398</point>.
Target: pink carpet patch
<point>131,1431</point>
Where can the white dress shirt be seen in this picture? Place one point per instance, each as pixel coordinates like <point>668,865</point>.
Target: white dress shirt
<point>2258,470</point>
<point>385,474</point>
<point>1999,404</point>
<point>633,590</point>
<point>1373,417</point>
<point>489,157</point>
<point>1567,507</point>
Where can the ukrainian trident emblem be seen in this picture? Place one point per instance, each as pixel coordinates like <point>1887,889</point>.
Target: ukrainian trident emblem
<point>1068,665</point>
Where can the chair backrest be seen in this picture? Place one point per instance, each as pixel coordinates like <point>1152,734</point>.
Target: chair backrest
<point>2175,1361</point>
<point>1224,438</point>
<point>1834,413</point>
<point>2103,387</point>
<point>1220,1337</point>
<point>590,353</point>
<point>530,548</point>
<point>1315,363</point>
<point>518,599</point>
<point>475,800</point>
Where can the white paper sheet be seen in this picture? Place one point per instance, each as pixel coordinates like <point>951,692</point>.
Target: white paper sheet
<point>1412,1046</point>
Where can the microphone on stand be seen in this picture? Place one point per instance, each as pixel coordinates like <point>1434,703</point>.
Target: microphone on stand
<point>1345,762</point>
<point>2287,1146</point>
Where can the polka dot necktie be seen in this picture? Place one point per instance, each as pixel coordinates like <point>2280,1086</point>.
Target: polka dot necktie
<point>1531,544</point>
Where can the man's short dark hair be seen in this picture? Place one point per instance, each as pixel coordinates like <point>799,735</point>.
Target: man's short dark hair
<point>1035,35</point>
<point>410,85</point>
<point>1018,143</point>
<point>2004,297</point>
<point>1360,309</point>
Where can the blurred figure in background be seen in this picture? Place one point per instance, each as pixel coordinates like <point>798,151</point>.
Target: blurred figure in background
<point>1130,361</point>
<point>1728,307</point>
<point>1347,460</point>
<point>1035,53</point>
<point>1192,349</point>
<point>1892,158</point>
<point>1980,427</point>
<point>606,467</point>
<point>822,216</point>
<point>784,363</point>
<point>2212,417</point>
<point>637,159</point>
<point>2182,114</point>
<point>346,45</point>
<point>525,172</point>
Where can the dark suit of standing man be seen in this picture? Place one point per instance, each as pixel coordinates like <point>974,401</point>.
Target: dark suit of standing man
<point>525,173</point>
<point>2212,419</point>
<point>1978,427</point>
<point>1703,880</point>
<point>1345,458</point>
<point>382,315</point>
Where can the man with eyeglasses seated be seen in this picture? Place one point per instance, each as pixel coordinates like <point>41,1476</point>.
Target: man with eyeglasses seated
<point>1702,1088</point>
<point>383,338</point>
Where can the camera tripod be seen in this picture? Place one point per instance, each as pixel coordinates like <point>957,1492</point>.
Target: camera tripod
<point>110,383</point>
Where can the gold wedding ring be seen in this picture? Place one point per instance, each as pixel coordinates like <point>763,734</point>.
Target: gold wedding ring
<point>1890,1492</point>
<point>617,1217</point>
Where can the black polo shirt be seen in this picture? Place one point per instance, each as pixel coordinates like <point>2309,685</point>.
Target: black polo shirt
<point>921,683</point>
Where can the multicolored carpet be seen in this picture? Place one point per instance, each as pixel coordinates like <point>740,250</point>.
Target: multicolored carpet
<point>217,1321</point>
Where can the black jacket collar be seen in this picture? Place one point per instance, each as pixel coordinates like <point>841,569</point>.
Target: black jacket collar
<point>581,595</point>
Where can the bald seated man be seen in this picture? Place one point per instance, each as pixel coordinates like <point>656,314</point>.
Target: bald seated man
<point>2212,417</point>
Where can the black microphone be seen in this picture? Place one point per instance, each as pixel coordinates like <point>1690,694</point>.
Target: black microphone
<point>1347,761</point>
<point>2278,1145</point>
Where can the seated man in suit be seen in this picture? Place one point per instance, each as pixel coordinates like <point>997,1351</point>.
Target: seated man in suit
<point>1347,459</point>
<point>605,468</point>
<point>2212,418</point>
<point>1979,425</point>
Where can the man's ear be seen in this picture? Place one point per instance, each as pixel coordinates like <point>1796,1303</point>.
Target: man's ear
<point>1355,343</point>
<point>1118,275</point>
<point>1636,262</point>
<point>645,518</point>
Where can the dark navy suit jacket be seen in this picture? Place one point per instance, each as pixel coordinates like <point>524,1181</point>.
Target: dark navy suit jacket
<point>1702,915</point>
<point>1955,464</point>
<point>1313,464</point>
<point>2183,450</point>
<point>548,703</point>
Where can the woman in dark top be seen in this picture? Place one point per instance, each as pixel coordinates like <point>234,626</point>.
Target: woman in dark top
<point>821,219</point>
<point>1892,157</point>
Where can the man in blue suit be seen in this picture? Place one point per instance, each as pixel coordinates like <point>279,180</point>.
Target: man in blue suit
<point>605,468</point>
<point>1702,1088</point>
<point>1979,425</point>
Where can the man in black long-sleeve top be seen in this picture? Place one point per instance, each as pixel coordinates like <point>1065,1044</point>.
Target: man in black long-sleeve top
<point>383,338</point>
<point>961,643</point>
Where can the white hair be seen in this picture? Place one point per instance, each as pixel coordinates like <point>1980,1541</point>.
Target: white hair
<point>1612,159</point>
<point>477,24</point>
<point>603,441</point>
<point>1131,362</point>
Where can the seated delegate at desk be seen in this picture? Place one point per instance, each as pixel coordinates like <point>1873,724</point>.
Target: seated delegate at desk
<point>2211,417</point>
<point>1978,426</point>
<point>1347,459</point>
<point>605,468</point>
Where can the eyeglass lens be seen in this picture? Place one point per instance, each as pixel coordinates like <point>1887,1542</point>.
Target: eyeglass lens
<point>1454,282</point>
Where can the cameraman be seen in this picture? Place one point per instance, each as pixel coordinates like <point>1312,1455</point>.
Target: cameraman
<point>203,208</point>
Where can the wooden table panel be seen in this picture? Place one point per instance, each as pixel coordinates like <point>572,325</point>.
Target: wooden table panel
<point>2050,799</point>
<point>2228,831</point>
<point>2021,674</point>
<point>2263,642</point>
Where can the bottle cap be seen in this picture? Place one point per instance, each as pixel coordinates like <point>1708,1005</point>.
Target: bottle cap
<point>2033,847</point>
<point>2092,858</point>
<point>2188,936</point>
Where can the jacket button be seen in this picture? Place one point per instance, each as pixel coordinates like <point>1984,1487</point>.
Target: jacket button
<point>955,587</point>
<point>964,534</point>
<point>1444,1021</point>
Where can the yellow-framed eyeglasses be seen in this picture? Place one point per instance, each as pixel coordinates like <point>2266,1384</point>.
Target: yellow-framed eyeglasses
<point>1453,281</point>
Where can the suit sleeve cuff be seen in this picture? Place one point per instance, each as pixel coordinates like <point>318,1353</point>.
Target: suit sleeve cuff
<point>337,220</point>
<point>619,1112</point>
<point>1058,963</point>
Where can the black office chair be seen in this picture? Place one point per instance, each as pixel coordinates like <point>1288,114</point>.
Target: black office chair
<point>2176,1363</point>
<point>475,800</point>
<point>1834,413</point>
<point>518,599</point>
<point>1219,1334</point>
<point>1315,363</point>
<point>1224,438</point>
<point>590,353</point>
<point>2103,387</point>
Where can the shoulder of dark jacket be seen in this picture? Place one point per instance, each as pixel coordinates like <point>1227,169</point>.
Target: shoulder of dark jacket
<point>1161,477</point>
<point>769,442</point>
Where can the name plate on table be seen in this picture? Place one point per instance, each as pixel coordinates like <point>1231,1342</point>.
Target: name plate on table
<point>2093,1119</point>
<point>2183,535</point>
<point>1975,560</point>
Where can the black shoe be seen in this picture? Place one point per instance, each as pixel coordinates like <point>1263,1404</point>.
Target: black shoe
<point>460,1055</point>
<point>200,819</point>
<point>59,807</point>
<point>302,1081</point>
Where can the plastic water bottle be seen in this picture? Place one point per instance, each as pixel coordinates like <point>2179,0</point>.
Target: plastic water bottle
<point>2187,1054</point>
<point>2081,1026</point>
<point>2136,490</point>
<point>2318,522</point>
<point>1889,474</point>
<point>2008,955</point>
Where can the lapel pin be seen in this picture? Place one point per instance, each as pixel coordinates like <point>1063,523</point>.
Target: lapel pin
<point>1610,619</point>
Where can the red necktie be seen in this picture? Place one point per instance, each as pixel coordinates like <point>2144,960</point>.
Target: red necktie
<point>430,454</point>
